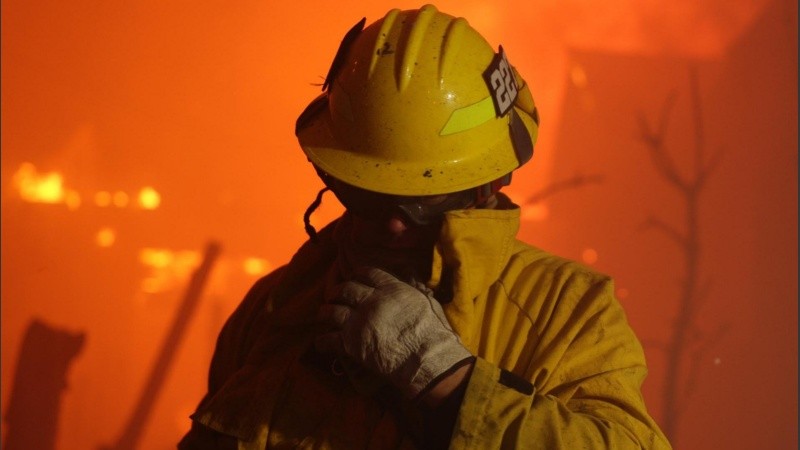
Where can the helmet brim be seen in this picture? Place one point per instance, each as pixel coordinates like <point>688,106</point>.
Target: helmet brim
<point>409,178</point>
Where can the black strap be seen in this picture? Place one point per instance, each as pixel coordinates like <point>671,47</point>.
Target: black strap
<point>341,54</point>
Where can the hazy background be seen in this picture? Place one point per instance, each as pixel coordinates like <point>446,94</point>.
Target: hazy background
<point>135,132</point>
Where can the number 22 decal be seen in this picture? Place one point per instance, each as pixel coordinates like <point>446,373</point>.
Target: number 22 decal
<point>501,82</point>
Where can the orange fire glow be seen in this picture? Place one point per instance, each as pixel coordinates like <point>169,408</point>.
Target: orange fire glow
<point>102,199</point>
<point>120,199</point>
<point>35,187</point>
<point>72,200</point>
<point>535,212</point>
<point>105,237</point>
<point>578,76</point>
<point>39,188</point>
<point>589,256</point>
<point>256,266</point>
<point>149,198</point>
<point>168,268</point>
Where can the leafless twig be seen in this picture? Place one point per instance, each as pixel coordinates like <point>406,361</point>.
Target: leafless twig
<point>564,185</point>
<point>686,336</point>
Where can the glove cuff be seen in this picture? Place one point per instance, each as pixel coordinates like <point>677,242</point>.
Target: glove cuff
<point>468,360</point>
<point>434,367</point>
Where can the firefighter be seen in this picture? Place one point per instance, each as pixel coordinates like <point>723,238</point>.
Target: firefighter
<point>417,319</point>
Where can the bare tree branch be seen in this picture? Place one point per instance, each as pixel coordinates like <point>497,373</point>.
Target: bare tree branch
<point>698,356</point>
<point>687,345</point>
<point>695,361</point>
<point>666,166</point>
<point>650,137</point>
<point>655,142</point>
<point>671,232</point>
<point>564,185</point>
<point>702,294</point>
<point>697,118</point>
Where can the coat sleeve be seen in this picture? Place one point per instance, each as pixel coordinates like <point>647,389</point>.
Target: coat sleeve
<point>233,344</point>
<point>580,389</point>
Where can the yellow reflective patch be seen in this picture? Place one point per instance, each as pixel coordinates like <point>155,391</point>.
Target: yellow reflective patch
<point>469,117</point>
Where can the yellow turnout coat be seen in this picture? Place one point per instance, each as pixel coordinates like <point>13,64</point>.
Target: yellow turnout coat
<point>557,367</point>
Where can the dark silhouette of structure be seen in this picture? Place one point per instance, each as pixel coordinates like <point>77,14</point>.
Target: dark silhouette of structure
<point>39,380</point>
<point>131,435</point>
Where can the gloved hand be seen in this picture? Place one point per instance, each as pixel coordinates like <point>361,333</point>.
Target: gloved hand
<point>394,329</point>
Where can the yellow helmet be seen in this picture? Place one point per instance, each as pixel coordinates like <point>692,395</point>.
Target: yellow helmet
<point>416,104</point>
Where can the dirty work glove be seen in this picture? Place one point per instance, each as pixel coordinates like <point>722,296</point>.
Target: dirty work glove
<point>391,328</point>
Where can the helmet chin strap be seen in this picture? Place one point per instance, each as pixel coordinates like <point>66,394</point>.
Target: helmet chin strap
<point>310,230</point>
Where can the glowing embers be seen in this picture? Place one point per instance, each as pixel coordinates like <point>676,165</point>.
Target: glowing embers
<point>256,266</point>
<point>589,256</point>
<point>535,212</point>
<point>578,76</point>
<point>105,237</point>
<point>168,268</point>
<point>35,187</point>
<point>149,198</point>
<point>38,187</point>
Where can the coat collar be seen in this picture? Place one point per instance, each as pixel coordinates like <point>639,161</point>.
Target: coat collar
<point>472,251</point>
